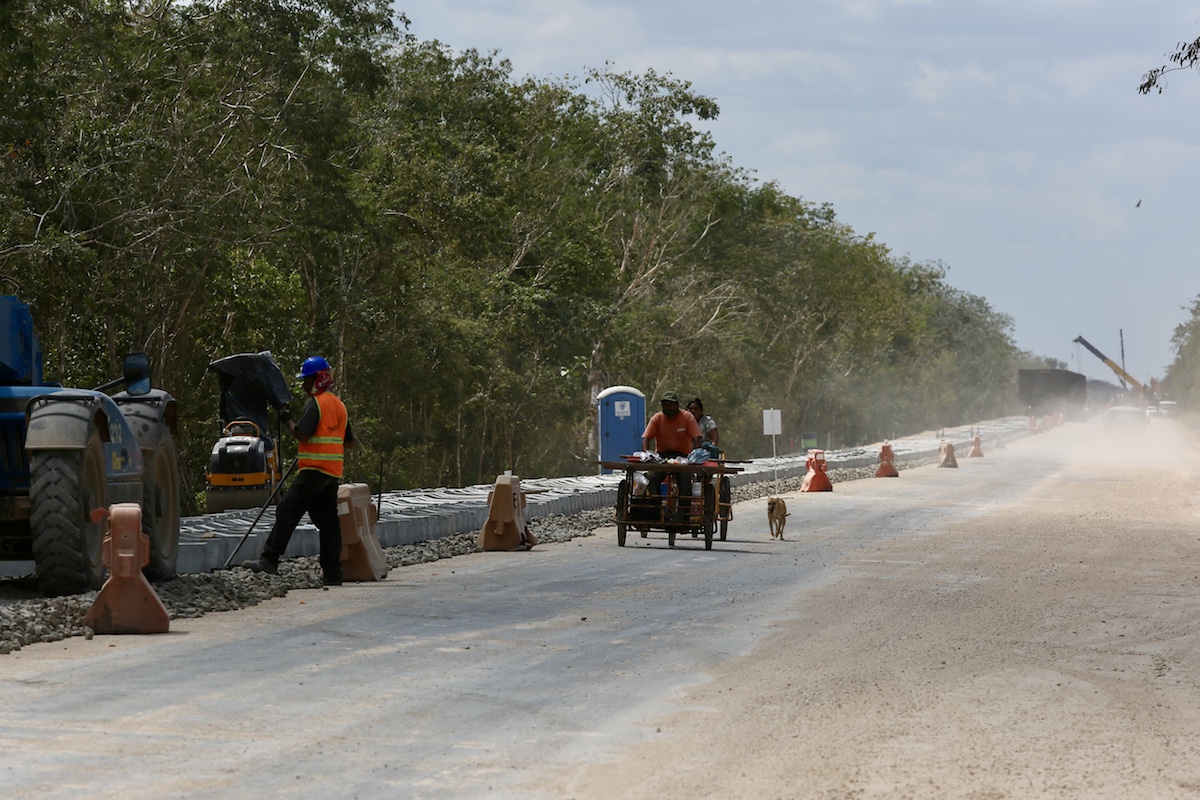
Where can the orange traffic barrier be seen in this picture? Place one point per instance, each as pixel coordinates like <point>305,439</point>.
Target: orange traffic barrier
<point>976,450</point>
<point>816,480</point>
<point>887,463</point>
<point>946,455</point>
<point>127,603</point>
<point>362,557</point>
<point>505,528</point>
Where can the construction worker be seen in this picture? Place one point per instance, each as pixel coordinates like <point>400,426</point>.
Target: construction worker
<point>324,434</point>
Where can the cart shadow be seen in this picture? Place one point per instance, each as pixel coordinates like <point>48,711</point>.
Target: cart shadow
<point>697,545</point>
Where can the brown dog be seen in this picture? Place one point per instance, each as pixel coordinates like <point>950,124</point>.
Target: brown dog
<point>776,516</point>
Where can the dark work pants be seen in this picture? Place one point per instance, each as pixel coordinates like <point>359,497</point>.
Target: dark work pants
<point>314,493</point>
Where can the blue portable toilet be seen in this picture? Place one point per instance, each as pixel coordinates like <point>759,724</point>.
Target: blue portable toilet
<point>622,422</point>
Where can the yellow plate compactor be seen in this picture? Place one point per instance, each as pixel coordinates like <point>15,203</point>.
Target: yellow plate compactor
<point>244,467</point>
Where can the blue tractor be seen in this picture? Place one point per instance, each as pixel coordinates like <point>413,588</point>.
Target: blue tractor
<point>65,452</point>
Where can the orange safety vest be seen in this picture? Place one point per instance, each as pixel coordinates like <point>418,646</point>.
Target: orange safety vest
<point>325,449</point>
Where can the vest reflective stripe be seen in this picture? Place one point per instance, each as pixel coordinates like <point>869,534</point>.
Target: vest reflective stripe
<point>325,449</point>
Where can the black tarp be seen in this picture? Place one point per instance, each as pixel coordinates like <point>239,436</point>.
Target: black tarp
<point>251,384</point>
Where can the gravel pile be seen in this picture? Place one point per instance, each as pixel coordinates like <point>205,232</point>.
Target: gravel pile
<point>27,618</point>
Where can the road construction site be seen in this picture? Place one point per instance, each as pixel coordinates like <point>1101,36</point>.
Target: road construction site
<point>416,527</point>
<point>419,515</point>
<point>1021,626</point>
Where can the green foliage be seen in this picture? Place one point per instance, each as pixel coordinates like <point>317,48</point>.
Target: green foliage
<point>1182,381</point>
<point>1185,57</point>
<point>477,255</point>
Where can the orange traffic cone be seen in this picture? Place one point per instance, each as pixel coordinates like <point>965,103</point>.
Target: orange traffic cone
<point>815,480</point>
<point>946,455</point>
<point>976,450</point>
<point>887,466</point>
<point>127,603</point>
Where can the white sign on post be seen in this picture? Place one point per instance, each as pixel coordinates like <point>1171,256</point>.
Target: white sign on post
<point>773,426</point>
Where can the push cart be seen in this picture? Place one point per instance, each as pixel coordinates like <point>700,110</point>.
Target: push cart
<point>698,515</point>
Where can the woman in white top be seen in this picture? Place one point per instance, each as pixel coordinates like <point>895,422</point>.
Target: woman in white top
<point>708,425</point>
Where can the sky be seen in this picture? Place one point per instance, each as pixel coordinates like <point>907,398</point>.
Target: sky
<point>1005,140</point>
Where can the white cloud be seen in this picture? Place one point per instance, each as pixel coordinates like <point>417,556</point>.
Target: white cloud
<point>933,85</point>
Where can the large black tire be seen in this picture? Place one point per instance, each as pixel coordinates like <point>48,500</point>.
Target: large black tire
<point>622,510</point>
<point>160,509</point>
<point>65,486</point>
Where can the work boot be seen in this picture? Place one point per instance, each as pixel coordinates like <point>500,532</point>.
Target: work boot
<point>263,564</point>
<point>331,579</point>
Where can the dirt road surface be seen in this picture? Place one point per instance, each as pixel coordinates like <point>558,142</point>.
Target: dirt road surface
<point>1025,626</point>
<point>1048,648</point>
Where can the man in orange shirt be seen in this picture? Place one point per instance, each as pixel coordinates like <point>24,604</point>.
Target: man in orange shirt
<point>674,432</point>
<point>324,433</point>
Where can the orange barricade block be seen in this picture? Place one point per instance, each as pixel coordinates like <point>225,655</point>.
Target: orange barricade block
<point>362,557</point>
<point>887,463</point>
<point>127,603</point>
<point>946,455</point>
<point>505,527</point>
<point>815,480</point>
<point>976,450</point>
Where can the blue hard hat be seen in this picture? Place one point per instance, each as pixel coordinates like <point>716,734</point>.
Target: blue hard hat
<point>312,365</point>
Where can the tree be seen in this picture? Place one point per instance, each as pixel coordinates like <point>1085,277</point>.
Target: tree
<point>1186,56</point>
<point>478,256</point>
<point>1182,381</point>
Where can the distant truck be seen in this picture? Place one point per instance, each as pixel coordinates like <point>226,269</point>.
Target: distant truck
<point>1045,391</point>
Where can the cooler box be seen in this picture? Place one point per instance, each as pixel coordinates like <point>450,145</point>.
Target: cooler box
<point>362,557</point>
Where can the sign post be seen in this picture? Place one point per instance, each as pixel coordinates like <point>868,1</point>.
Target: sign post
<point>773,426</point>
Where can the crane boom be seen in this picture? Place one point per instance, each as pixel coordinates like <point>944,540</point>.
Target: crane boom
<point>1122,374</point>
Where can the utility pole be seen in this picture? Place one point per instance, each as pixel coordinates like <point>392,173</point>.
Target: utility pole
<point>1121,333</point>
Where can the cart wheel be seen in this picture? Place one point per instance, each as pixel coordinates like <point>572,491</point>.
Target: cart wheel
<point>726,505</point>
<point>622,511</point>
